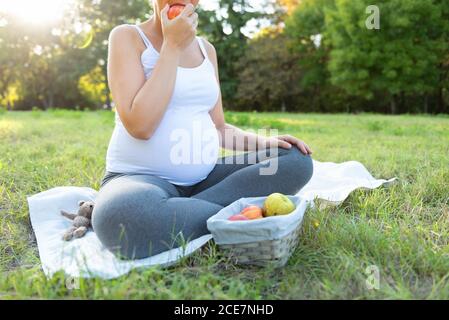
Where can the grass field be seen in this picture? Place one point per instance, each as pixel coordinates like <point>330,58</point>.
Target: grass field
<point>403,230</point>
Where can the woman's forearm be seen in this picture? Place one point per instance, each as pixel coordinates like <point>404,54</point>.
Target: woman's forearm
<point>151,101</point>
<point>233,138</point>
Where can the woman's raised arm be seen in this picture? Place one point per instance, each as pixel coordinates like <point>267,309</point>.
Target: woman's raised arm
<point>142,103</point>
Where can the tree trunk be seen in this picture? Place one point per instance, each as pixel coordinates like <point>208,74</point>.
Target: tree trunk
<point>393,104</point>
<point>108,100</point>
<point>105,77</point>
<point>48,101</point>
<point>402,104</point>
<point>51,100</point>
<point>440,101</point>
<point>426,103</point>
<point>45,104</point>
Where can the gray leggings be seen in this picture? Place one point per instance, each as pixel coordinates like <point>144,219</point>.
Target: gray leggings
<point>140,215</point>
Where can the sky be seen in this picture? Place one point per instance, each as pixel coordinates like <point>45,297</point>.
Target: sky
<point>212,4</point>
<point>43,11</point>
<point>252,26</point>
<point>209,4</point>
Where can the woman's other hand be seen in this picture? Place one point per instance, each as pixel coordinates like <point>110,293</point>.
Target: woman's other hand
<point>181,31</point>
<point>287,141</point>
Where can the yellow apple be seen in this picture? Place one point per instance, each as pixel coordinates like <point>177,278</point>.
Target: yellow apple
<point>277,204</point>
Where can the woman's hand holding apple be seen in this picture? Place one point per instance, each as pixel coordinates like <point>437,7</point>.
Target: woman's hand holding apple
<point>180,31</point>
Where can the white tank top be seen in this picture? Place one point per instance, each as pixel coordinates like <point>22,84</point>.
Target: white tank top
<point>185,146</point>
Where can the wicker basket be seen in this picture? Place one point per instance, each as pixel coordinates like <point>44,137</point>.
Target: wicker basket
<point>263,253</point>
<point>262,242</point>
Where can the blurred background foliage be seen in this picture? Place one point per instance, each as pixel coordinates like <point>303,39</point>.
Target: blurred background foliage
<point>307,55</point>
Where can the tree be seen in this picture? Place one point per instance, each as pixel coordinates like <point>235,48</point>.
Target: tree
<point>53,58</point>
<point>12,55</point>
<point>225,31</point>
<point>52,66</point>
<point>403,64</point>
<point>103,16</point>
<point>269,74</point>
<point>289,5</point>
<point>402,58</point>
<point>306,27</point>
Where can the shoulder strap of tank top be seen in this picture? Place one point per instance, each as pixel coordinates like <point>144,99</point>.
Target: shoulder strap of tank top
<point>203,49</point>
<point>143,36</point>
<point>148,43</point>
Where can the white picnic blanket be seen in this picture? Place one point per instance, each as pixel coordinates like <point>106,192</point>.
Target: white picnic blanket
<point>86,257</point>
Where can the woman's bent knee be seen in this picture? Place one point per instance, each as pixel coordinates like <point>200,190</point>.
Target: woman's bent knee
<point>300,164</point>
<point>108,222</point>
<point>133,223</point>
<point>120,224</point>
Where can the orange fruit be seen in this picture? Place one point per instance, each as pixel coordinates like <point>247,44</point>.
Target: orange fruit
<point>252,212</point>
<point>175,10</point>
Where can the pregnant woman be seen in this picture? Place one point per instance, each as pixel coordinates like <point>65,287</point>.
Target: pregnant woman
<point>163,177</point>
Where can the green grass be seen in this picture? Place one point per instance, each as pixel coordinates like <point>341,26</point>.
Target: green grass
<point>403,230</point>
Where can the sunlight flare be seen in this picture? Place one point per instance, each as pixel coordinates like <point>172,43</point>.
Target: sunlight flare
<point>36,12</point>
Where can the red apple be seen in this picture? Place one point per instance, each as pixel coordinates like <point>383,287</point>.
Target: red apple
<point>238,217</point>
<point>175,10</point>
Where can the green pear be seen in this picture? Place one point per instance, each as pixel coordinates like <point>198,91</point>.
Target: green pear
<point>277,204</point>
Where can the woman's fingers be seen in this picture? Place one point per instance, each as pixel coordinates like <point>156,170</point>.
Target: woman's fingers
<point>274,142</point>
<point>302,146</point>
<point>164,13</point>
<point>194,20</point>
<point>195,24</point>
<point>188,10</point>
<point>190,15</point>
<point>284,144</point>
<point>308,148</point>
